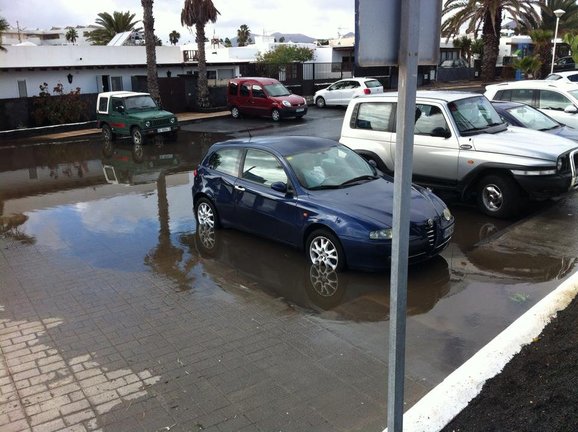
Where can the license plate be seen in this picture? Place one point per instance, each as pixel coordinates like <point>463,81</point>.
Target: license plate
<point>165,129</point>
<point>449,231</point>
<point>300,109</point>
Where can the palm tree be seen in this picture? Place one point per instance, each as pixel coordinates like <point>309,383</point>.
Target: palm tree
<point>568,21</point>
<point>71,35</point>
<point>487,16</point>
<point>174,37</point>
<point>3,27</point>
<point>464,44</point>
<point>150,45</point>
<point>243,35</point>
<point>198,13</point>
<point>542,50</point>
<point>110,25</point>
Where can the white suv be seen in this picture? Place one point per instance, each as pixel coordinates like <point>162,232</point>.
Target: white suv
<point>462,145</point>
<point>558,99</point>
<point>342,91</point>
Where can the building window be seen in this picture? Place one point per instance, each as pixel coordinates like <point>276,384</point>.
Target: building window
<point>22,92</point>
<point>211,74</point>
<point>226,73</point>
<point>116,83</point>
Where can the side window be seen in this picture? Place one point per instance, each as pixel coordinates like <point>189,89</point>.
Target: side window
<point>116,104</point>
<point>225,161</point>
<point>373,116</point>
<point>233,89</point>
<point>523,95</point>
<point>258,91</point>
<point>102,104</point>
<point>262,167</point>
<point>553,100</point>
<point>244,90</point>
<point>430,120</point>
<point>504,95</point>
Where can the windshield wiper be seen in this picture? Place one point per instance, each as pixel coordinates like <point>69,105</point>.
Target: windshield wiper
<point>320,187</point>
<point>549,128</point>
<point>358,179</point>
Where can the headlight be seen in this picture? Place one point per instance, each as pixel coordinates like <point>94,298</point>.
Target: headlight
<point>559,164</point>
<point>447,214</point>
<point>173,120</point>
<point>382,234</point>
<point>286,103</point>
<point>147,124</point>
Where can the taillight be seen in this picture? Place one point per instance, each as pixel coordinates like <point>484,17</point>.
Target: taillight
<point>195,172</point>
<point>366,91</point>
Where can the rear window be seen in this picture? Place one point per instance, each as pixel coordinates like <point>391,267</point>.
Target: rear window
<point>372,84</point>
<point>102,104</point>
<point>233,89</point>
<point>225,161</point>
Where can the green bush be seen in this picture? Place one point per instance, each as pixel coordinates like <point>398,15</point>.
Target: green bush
<point>58,108</point>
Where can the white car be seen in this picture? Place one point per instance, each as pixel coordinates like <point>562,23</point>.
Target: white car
<point>565,76</point>
<point>342,91</point>
<point>557,99</point>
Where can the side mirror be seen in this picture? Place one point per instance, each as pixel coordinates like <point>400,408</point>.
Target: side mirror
<point>279,187</point>
<point>120,109</point>
<point>571,109</point>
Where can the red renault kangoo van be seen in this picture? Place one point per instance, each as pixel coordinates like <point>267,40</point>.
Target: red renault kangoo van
<point>265,97</point>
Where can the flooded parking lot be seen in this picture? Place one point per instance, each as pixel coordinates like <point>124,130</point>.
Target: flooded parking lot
<point>153,323</point>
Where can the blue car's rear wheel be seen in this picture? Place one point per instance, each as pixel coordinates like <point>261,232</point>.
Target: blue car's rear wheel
<point>206,213</point>
<point>323,248</point>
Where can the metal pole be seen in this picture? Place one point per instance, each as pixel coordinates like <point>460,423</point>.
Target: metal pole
<point>554,47</point>
<point>408,59</point>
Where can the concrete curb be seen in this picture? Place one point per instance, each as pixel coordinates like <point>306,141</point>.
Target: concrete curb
<point>437,408</point>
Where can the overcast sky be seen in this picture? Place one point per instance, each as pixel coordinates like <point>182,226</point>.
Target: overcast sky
<point>321,19</point>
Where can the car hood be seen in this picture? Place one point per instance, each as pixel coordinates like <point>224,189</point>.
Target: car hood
<point>523,142</point>
<point>565,132</point>
<point>373,201</point>
<point>151,115</point>
<point>293,99</point>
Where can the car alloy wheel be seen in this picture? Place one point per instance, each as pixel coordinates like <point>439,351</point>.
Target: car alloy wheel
<point>499,196</point>
<point>107,133</point>
<point>206,214</point>
<point>275,115</point>
<point>324,249</point>
<point>235,113</point>
<point>320,102</point>
<point>137,136</point>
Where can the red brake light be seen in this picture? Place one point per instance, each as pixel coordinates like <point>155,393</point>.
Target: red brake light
<point>366,91</point>
<point>195,172</point>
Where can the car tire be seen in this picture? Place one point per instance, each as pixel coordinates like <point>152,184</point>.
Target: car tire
<point>320,102</point>
<point>324,248</point>
<point>137,153</point>
<point>235,113</point>
<point>206,213</point>
<point>137,136</point>
<point>276,115</point>
<point>107,133</point>
<point>499,196</point>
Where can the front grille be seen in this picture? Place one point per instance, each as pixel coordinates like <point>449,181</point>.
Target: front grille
<point>573,160</point>
<point>430,232</point>
<point>161,122</point>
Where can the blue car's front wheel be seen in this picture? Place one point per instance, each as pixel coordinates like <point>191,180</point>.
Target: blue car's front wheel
<point>323,248</point>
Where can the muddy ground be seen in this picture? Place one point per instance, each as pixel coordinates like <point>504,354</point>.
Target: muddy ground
<point>538,388</point>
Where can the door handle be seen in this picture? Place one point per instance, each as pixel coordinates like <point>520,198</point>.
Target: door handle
<point>240,188</point>
<point>466,147</point>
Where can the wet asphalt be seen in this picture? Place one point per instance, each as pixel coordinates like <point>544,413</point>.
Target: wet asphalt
<point>118,314</point>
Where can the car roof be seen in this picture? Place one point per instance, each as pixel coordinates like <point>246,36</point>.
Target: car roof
<point>507,104</point>
<point>565,73</point>
<point>283,145</point>
<point>122,94</point>
<point>535,84</point>
<point>262,80</point>
<point>439,95</point>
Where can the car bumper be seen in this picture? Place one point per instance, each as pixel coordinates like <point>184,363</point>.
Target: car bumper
<point>293,111</point>
<point>375,255</point>
<point>544,187</point>
<point>161,130</point>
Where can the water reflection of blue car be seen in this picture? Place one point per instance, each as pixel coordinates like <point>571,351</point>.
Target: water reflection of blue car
<point>314,194</point>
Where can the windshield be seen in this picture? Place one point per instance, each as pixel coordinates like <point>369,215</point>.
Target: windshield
<point>277,90</point>
<point>474,114</point>
<point>331,168</point>
<point>532,118</point>
<point>137,103</point>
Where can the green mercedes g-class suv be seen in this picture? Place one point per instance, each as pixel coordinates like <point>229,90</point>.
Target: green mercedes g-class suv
<point>133,114</point>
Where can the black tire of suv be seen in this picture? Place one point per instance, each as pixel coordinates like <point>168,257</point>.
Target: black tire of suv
<point>107,133</point>
<point>137,136</point>
<point>499,196</point>
<point>320,102</point>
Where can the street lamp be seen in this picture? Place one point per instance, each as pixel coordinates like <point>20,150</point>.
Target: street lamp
<point>558,13</point>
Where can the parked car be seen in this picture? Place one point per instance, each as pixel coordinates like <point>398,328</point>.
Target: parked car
<point>454,63</point>
<point>265,97</point>
<point>522,115</point>
<point>462,145</point>
<point>557,99</point>
<point>565,76</point>
<point>133,114</point>
<point>564,63</point>
<point>342,91</point>
<point>314,194</point>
